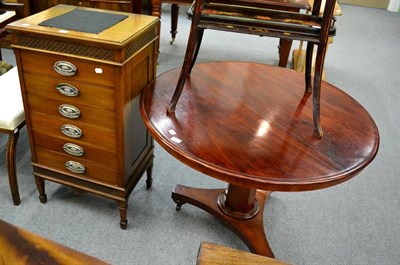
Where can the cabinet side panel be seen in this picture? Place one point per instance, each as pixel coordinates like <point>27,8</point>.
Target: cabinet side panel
<point>137,139</point>
<point>25,101</point>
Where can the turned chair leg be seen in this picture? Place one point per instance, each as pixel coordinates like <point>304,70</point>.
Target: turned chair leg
<point>11,168</point>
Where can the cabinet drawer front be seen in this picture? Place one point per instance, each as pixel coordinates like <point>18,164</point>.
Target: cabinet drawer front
<point>91,171</point>
<point>116,5</point>
<point>90,154</point>
<point>85,3</point>
<point>94,136</point>
<point>91,72</point>
<point>78,112</point>
<point>96,96</point>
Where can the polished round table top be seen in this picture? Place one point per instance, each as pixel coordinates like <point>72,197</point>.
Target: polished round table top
<point>251,125</point>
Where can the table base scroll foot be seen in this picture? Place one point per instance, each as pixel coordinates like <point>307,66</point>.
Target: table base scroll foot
<point>251,231</point>
<point>178,204</point>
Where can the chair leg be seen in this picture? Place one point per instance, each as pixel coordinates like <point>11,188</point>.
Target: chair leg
<point>174,21</point>
<point>319,67</point>
<point>308,72</point>
<point>284,50</point>
<point>12,176</point>
<point>200,33</point>
<point>187,62</point>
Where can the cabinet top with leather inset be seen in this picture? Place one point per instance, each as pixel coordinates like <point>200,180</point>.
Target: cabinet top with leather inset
<point>115,44</point>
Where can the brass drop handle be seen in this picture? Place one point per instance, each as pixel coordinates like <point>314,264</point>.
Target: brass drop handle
<point>75,167</point>
<point>67,90</point>
<point>69,111</point>
<point>65,68</point>
<point>71,131</point>
<point>73,149</point>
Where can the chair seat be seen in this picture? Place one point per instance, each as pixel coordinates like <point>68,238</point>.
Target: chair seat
<point>261,21</point>
<point>11,106</point>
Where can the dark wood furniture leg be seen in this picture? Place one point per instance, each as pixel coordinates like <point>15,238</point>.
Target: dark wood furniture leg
<point>174,21</point>
<point>284,44</point>
<point>40,186</point>
<point>284,50</point>
<point>123,206</point>
<point>149,172</point>
<point>241,209</point>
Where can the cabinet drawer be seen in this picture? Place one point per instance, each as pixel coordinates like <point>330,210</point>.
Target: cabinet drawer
<point>116,5</point>
<point>89,154</point>
<point>91,72</point>
<point>95,96</point>
<point>94,136</point>
<point>85,3</point>
<point>91,171</point>
<point>72,111</point>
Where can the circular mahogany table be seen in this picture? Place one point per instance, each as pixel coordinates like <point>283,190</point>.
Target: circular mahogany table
<point>250,125</point>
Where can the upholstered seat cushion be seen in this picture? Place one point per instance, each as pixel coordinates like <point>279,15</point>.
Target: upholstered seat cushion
<point>11,106</point>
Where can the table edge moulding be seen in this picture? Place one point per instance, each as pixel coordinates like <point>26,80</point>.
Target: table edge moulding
<point>250,125</point>
<point>90,134</point>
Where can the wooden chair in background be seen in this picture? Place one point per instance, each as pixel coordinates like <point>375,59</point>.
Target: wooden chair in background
<point>12,120</point>
<point>298,55</point>
<point>254,17</point>
<point>12,116</point>
<point>284,5</point>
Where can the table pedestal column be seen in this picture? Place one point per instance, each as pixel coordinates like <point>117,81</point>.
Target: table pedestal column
<point>241,209</point>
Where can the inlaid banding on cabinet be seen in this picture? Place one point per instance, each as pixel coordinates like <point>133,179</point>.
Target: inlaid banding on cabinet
<point>67,47</point>
<point>87,51</point>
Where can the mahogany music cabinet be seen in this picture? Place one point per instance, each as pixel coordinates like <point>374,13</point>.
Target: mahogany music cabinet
<point>81,98</point>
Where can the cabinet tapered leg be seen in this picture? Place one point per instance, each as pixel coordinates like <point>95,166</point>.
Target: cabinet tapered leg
<point>123,206</point>
<point>40,186</point>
